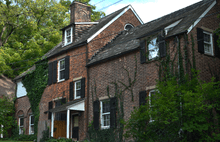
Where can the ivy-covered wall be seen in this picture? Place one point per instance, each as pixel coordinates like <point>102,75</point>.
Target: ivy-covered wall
<point>35,83</point>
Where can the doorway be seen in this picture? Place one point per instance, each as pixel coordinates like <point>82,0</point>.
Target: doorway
<point>75,127</point>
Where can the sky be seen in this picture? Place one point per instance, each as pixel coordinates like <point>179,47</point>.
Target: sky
<point>147,10</point>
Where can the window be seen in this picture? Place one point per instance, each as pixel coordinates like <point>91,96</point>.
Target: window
<point>61,70</point>
<point>151,102</point>
<point>68,36</point>
<point>153,49</point>
<point>105,114</point>
<point>31,124</point>
<point>77,89</point>
<point>208,45</point>
<point>128,27</point>
<point>21,125</point>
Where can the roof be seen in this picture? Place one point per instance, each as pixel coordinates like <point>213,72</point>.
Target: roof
<point>25,73</point>
<point>87,34</point>
<point>64,106</point>
<point>120,44</point>
<point>7,87</point>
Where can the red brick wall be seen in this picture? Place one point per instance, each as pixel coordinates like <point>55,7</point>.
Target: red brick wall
<point>78,69</point>
<point>111,31</point>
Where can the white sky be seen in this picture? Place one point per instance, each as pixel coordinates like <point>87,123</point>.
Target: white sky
<point>147,9</point>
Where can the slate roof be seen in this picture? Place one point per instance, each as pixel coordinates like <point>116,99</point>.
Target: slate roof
<point>25,73</point>
<point>87,34</point>
<point>127,40</point>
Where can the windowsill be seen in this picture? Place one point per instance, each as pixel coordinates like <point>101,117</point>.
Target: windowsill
<point>152,60</point>
<point>77,98</point>
<point>60,80</point>
<point>105,127</point>
<point>210,55</point>
<point>67,44</point>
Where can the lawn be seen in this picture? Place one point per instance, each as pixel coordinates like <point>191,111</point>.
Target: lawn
<point>13,141</point>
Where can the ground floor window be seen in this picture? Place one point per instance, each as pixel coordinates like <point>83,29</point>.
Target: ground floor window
<point>31,124</point>
<point>21,125</point>
<point>105,114</point>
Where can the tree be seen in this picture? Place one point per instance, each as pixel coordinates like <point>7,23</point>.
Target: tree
<point>29,29</point>
<point>6,118</point>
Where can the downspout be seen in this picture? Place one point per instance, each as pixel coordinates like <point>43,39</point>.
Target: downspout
<point>87,76</point>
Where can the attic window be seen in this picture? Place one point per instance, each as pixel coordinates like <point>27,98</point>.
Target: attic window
<point>68,36</point>
<point>170,27</point>
<point>128,27</point>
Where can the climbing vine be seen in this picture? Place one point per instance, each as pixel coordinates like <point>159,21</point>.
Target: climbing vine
<point>35,83</point>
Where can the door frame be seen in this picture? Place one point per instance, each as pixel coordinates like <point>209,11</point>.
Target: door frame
<point>73,114</point>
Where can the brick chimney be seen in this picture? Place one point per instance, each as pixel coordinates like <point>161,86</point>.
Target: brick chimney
<point>79,12</point>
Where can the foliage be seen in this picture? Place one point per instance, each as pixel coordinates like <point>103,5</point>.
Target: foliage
<point>35,83</point>
<point>6,115</point>
<point>45,136</point>
<point>29,29</point>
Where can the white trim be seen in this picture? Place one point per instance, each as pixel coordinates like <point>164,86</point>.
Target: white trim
<point>113,20</point>
<point>52,124</point>
<point>101,113</point>
<point>86,23</point>
<point>171,26</point>
<point>200,18</point>
<point>77,97</point>
<point>71,36</point>
<point>79,106</point>
<point>67,124</point>
<point>58,77</point>
<point>30,124</point>
<point>211,43</point>
<point>20,125</point>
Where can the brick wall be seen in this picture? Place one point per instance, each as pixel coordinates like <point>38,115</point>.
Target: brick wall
<point>23,107</point>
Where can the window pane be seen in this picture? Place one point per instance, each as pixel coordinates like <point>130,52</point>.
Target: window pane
<point>78,93</point>
<point>62,74</point>
<point>78,85</point>
<point>153,48</point>
<point>206,37</point>
<point>21,121</point>
<point>32,129</point>
<point>62,65</point>
<point>21,130</point>
<point>68,32</point>
<point>32,119</point>
<point>153,98</point>
<point>106,106</point>
<point>207,48</point>
<point>106,120</point>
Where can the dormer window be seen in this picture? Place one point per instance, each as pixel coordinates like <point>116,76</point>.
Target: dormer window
<point>170,27</point>
<point>128,27</point>
<point>68,36</point>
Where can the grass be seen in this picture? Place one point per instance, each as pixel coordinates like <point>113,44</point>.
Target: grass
<point>13,141</point>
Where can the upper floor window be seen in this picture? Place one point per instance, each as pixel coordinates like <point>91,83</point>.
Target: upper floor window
<point>68,36</point>
<point>31,124</point>
<point>61,70</point>
<point>77,89</point>
<point>105,114</point>
<point>153,49</point>
<point>21,125</point>
<point>208,44</point>
<point>128,27</point>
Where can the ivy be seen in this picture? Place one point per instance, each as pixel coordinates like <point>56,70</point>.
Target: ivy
<point>35,83</point>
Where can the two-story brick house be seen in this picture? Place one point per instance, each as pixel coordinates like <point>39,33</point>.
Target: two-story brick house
<point>64,103</point>
<point>196,22</point>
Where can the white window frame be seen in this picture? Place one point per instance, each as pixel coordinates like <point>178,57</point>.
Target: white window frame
<point>65,39</point>
<point>59,80</point>
<point>150,105</point>
<point>210,43</point>
<point>155,47</point>
<point>77,97</point>
<point>20,126</point>
<point>128,24</point>
<point>101,115</point>
<point>30,124</point>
